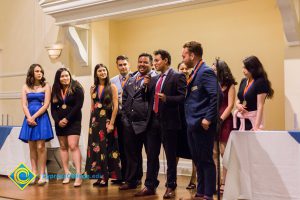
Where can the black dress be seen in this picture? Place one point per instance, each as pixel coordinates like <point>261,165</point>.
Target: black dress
<point>259,86</point>
<point>72,112</point>
<point>103,157</point>
<point>183,150</point>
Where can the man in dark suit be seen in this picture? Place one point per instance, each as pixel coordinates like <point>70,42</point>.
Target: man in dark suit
<point>135,119</point>
<point>166,93</point>
<point>201,117</point>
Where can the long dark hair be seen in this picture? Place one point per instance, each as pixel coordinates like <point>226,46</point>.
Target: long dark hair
<point>30,76</point>
<point>107,100</point>
<point>224,74</point>
<point>57,86</point>
<point>255,67</point>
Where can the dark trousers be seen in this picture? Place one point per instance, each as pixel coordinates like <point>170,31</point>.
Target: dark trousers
<point>201,143</point>
<point>133,145</point>
<point>155,137</point>
<point>119,126</point>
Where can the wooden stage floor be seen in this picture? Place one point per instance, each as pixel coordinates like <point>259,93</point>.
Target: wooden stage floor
<point>55,189</point>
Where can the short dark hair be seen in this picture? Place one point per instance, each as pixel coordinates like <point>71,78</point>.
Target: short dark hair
<point>194,47</point>
<point>121,57</point>
<point>146,55</point>
<point>164,54</point>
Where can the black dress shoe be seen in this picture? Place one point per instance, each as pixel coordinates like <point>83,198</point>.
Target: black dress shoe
<point>103,183</point>
<point>170,193</point>
<point>127,186</point>
<point>117,182</point>
<point>191,186</point>
<point>145,192</point>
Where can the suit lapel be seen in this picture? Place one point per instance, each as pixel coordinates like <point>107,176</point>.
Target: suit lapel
<point>170,74</point>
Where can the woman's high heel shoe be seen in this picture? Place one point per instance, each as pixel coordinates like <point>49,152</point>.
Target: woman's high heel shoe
<point>97,183</point>
<point>78,182</point>
<point>67,179</point>
<point>33,182</point>
<point>42,181</point>
<point>103,183</point>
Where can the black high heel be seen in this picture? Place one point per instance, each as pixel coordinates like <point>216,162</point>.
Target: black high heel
<point>103,183</point>
<point>97,183</point>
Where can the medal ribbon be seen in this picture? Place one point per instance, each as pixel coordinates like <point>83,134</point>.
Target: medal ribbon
<point>248,86</point>
<point>100,93</point>
<point>194,72</point>
<point>64,94</point>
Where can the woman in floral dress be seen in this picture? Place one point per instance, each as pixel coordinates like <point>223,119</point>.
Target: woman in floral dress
<point>103,160</point>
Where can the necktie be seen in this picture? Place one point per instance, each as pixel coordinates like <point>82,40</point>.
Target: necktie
<point>157,90</point>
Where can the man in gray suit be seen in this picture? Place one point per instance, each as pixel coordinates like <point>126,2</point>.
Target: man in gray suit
<point>120,80</point>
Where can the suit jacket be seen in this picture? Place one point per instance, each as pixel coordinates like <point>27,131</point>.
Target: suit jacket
<point>174,87</point>
<point>135,105</point>
<point>201,98</point>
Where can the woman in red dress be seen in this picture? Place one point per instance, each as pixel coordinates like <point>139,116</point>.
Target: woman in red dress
<point>227,82</point>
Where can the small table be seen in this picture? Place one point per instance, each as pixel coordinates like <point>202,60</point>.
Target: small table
<point>262,165</point>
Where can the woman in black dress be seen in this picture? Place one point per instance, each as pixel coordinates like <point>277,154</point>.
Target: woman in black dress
<point>103,161</point>
<point>253,91</point>
<point>66,103</point>
<point>183,150</point>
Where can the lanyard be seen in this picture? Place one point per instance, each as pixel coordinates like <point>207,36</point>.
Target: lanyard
<point>99,93</point>
<point>64,94</point>
<point>194,72</point>
<point>248,86</point>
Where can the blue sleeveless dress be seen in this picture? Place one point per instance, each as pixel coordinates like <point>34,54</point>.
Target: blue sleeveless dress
<point>43,129</point>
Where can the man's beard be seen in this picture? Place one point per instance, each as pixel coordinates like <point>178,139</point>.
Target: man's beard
<point>189,64</point>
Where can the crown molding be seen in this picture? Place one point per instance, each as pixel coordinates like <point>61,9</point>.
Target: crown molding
<point>70,12</point>
<point>290,20</point>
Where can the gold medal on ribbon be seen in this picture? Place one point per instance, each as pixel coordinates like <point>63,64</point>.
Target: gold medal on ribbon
<point>102,113</point>
<point>64,106</point>
<point>94,95</point>
<point>99,105</point>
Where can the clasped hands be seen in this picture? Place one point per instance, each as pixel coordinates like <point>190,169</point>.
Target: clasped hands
<point>31,121</point>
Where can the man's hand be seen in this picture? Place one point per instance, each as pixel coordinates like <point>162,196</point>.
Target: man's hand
<point>147,80</point>
<point>205,124</point>
<point>63,123</point>
<point>162,97</point>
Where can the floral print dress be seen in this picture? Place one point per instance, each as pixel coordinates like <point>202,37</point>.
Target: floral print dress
<point>103,161</point>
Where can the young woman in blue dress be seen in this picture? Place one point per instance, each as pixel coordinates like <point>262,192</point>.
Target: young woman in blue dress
<point>36,128</point>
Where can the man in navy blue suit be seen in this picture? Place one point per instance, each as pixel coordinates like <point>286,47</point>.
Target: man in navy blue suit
<point>201,117</point>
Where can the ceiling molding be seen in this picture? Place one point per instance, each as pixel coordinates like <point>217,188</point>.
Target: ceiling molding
<point>291,26</point>
<point>70,12</point>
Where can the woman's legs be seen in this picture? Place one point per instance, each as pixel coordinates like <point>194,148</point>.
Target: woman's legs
<point>33,156</point>
<point>193,177</point>
<point>64,153</point>
<point>73,142</point>
<point>222,150</point>
<point>41,152</point>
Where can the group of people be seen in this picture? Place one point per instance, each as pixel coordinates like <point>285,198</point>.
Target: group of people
<point>153,106</point>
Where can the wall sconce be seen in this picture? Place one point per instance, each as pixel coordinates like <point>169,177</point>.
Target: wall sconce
<point>54,50</point>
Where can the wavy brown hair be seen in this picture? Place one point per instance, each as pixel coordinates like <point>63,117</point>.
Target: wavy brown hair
<point>30,76</point>
<point>224,74</point>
